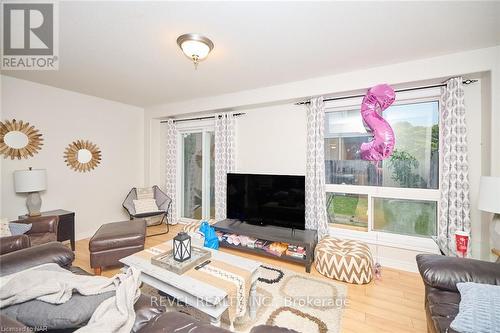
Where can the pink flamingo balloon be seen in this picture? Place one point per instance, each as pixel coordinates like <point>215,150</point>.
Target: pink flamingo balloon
<point>376,100</point>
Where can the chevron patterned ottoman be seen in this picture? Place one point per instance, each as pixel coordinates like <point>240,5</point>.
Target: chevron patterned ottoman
<point>344,260</point>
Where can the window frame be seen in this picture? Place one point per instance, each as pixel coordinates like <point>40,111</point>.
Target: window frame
<point>205,127</point>
<point>416,243</point>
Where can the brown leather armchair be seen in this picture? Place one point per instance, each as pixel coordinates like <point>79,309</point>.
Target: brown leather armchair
<point>441,275</point>
<point>43,230</point>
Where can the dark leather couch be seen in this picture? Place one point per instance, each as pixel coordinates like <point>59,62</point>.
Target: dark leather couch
<point>149,318</point>
<point>43,230</point>
<point>441,275</point>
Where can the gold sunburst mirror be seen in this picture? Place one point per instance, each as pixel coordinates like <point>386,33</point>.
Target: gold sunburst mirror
<point>82,155</point>
<point>19,139</point>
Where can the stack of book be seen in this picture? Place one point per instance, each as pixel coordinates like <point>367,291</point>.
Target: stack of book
<point>296,251</point>
<point>277,248</point>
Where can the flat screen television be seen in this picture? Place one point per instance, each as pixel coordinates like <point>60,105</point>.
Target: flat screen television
<point>267,199</point>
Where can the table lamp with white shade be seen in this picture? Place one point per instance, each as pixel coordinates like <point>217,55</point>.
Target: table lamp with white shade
<point>31,181</point>
<point>489,201</point>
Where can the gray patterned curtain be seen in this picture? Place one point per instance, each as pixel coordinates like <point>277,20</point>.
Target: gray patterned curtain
<point>171,169</point>
<point>224,159</point>
<point>315,168</point>
<point>454,202</point>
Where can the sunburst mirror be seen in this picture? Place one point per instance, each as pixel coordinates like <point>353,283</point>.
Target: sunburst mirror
<point>82,155</point>
<point>19,139</point>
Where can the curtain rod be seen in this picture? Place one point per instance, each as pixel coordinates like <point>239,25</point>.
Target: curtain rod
<point>399,90</point>
<point>200,118</point>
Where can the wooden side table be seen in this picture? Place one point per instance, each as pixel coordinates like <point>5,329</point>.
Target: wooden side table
<point>66,226</point>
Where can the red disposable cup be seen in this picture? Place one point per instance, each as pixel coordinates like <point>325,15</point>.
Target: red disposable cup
<point>462,241</point>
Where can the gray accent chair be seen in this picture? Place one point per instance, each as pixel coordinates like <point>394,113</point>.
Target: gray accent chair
<point>163,201</point>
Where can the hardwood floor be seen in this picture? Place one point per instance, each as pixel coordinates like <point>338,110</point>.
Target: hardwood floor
<point>395,303</point>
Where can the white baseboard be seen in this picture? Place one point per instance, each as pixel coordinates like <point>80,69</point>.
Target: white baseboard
<point>402,265</point>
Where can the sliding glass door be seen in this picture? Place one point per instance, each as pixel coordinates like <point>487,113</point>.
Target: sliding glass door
<point>197,178</point>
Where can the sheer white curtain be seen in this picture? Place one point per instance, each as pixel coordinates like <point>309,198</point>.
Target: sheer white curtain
<point>171,169</point>
<point>315,168</point>
<point>454,202</point>
<point>224,159</point>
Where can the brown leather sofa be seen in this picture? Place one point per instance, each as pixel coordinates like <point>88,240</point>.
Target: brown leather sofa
<point>149,318</point>
<point>441,275</point>
<point>43,230</point>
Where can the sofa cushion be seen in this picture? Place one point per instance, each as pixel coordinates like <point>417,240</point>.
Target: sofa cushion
<point>145,206</point>
<point>19,228</point>
<point>479,308</point>
<point>144,193</point>
<point>73,313</point>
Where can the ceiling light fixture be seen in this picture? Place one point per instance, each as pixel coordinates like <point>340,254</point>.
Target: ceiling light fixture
<point>195,46</point>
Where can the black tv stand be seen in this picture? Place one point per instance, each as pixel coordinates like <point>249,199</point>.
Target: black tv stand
<point>304,238</point>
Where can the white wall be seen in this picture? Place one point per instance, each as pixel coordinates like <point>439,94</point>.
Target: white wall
<point>63,116</point>
<point>271,117</point>
<point>272,140</point>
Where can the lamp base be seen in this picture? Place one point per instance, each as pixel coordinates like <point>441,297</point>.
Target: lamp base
<point>495,231</point>
<point>497,253</point>
<point>34,203</point>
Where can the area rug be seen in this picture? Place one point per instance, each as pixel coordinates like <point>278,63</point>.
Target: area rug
<point>287,299</point>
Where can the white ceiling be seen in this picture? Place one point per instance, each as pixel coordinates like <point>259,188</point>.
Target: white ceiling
<point>127,52</point>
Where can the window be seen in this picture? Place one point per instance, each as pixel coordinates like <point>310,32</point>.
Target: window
<point>406,217</point>
<point>347,210</point>
<point>197,176</point>
<point>414,162</point>
<point>192,175</point>
<point>398,195</point>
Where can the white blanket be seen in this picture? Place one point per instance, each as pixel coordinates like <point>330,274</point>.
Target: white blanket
<point>53,284</point>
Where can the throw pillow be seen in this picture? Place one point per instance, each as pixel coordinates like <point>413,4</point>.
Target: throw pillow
<point>478,310</point>
<point>145,193</point>
<point>73,313</point>
<point>145,206</point>
<point>4,228</point>
<point>19,228</point>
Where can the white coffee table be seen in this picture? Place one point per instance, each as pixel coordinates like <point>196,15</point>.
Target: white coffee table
<point>202,296</point>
